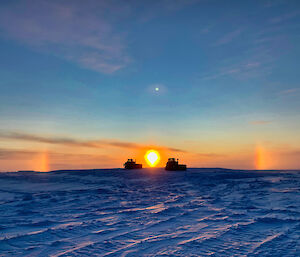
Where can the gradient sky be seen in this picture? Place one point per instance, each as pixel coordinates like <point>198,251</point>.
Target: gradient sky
<point>78,83</point>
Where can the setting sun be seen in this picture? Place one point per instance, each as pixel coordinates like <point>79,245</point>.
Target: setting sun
<point>152,157</point>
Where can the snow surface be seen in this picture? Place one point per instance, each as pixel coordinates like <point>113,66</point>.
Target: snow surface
<point>150,212</point>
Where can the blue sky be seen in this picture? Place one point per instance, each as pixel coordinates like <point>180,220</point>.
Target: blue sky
<point>227,73</point>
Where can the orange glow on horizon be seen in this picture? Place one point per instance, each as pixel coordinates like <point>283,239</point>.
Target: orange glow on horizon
<point>41,162</point>
<point>152,158</point>
<point>263,158</point>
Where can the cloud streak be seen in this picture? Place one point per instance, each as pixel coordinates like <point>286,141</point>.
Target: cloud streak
<point>227,38</point>
<point>260,122</point>
<point>80,143</point>
<point>291,91</point>
<point>15,154</point>
<point>83,33</point>
<point>284,17</point>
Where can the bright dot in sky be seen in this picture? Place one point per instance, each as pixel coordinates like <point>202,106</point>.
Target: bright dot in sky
<point>152,157</point>
<point>157,89</point>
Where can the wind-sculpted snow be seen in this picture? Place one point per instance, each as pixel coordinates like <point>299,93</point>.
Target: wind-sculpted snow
<point>150,212</point>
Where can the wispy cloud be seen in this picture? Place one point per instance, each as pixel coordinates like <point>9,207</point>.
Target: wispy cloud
<point>174,5</point>
<point>292,153</point>
<point>290,91</point>
<point>85,32</point>
<point>284,17</point>
<point>272,3</point>
<point>40,160</point>
<point>209,155</point>
<point>260,122</point>
<point>227,38</point>
<point>79,31</point>
<point>255,62</point>
<point>80,143</point>
<point>47,140</point>
<point>244,69</point>
<point>151,9</point>
<point>16,154</point>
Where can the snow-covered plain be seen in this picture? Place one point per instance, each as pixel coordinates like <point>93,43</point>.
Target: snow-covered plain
<point>150,212</point>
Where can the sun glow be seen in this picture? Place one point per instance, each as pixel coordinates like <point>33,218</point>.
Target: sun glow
<point>41,162</point>
<point>152,157</point>
<point>263,158</point>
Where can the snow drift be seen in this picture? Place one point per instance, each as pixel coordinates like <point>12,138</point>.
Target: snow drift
<point>150,212</point>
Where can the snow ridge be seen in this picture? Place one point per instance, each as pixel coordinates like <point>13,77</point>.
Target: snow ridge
<point>150,212</point>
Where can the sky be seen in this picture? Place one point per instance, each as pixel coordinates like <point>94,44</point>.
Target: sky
<point>88,84</point>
